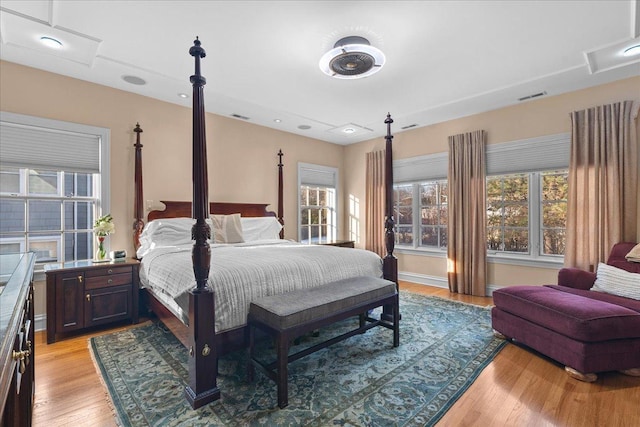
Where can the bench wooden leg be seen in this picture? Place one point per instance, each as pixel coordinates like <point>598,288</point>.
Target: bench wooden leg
<point>396,322</point>
<point>250,368</point>
<point>282,343</point>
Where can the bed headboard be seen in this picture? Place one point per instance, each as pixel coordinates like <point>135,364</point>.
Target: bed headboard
<point>176,209</point>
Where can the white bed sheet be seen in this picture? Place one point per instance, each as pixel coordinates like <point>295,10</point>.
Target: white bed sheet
<point>244,272</point>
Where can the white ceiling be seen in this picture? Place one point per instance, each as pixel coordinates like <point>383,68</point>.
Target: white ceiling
<point>445,59</point>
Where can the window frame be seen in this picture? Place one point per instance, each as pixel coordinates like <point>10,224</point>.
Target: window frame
<point>416,208</point>
<point>319,177</point>
<point>531,155</point>
<point>101,180</point>
<point>535,255</point>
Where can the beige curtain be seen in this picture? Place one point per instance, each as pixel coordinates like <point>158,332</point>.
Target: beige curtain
<point>375,202</point>
<point>603,183</point>
<point>467,244</point>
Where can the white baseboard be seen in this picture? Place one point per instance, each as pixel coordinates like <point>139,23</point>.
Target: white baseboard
<point>436,281</point>
<point>423,279</point>
<point>40,322</point>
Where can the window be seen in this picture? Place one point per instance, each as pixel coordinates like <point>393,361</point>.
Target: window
<point>526,200</point>
<point>508,213</point>
<point>554,206</point>
<point>53,179</point>
<point>526,213</point>
<point>430,200</point>
<point>317,214</point>
<point>317,202</point>
<point>403,212</point>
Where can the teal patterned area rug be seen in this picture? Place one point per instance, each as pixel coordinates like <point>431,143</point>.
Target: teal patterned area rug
<point>363,381</point>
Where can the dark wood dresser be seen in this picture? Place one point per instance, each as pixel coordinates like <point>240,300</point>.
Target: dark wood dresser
<point>339,243</point>
<point>17,334</point>
<point>84,294</point>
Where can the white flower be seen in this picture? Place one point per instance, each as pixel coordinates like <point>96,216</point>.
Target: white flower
<point>104,226</point>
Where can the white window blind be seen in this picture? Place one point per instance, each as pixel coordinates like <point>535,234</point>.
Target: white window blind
<point>317,175</point>
<point>49,149</point>
<point>421,168</point>
<point>543,153</point>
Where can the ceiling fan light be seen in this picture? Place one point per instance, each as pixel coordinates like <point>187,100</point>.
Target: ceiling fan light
<point>633,50</point>
<point>352,58</point>
<point>51,42</point>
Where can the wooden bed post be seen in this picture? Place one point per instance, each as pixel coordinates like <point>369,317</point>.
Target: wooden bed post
<point>280,197</point>
<point>390,265</point>
<point>138,211</point>
<point>203,357</point>
<point>389,262</point>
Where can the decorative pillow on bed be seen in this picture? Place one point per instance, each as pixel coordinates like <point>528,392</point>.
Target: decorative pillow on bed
<point>165,232</point>
<point>634,254</point>
<point>612,280</point>
<point>260,228</point>
<point>227,228</point>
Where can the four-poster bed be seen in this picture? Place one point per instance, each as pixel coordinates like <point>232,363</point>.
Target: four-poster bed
<point>207,307</point>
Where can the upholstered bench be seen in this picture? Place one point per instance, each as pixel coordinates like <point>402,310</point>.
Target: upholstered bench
<point>289,315</point>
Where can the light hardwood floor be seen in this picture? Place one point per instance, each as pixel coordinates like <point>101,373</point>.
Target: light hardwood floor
<point>519,388</point>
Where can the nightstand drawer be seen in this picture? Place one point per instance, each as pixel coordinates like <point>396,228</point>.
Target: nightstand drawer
<point>108,271</point>
<point>106,281</point>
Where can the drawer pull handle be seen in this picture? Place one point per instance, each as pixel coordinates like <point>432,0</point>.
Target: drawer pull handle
<point>110,281</point>
<point>88,297</point>
<point>109,271</point>
<point>28,350</point>
<point>80,278</point>
<point>21,356</point>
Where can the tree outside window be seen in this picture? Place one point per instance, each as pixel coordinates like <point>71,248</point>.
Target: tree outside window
<point>403,212</point>
<point>508,213</point>
<point>526,213</point>
<point>420,209</point>
<point>554,212</point>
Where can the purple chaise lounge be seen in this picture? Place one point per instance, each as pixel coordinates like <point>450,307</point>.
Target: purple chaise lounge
<point>586,330</point>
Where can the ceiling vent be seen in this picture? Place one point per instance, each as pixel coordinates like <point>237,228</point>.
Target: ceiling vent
<point>352,57</point>
<point>238,116</point>
<point>409,126</point>
<point>535,95</point>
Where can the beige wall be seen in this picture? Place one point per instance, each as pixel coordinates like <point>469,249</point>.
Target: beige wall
<point>546,116</point>
<point>242,158</point>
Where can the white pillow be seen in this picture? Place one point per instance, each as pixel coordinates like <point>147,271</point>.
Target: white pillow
<point>227,228</point>
<point>612,280</point>
<point>634,254</point>
<point>165,232</point>
<point>260,228</point>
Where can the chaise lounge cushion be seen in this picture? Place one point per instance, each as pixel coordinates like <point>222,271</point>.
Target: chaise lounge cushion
<point>575,316</point>
<point>600,296</point>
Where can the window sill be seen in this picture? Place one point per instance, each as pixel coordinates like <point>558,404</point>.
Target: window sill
<point>543,262</point>
<point>437,253</point>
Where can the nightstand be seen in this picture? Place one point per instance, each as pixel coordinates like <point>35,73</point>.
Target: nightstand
<point>84,294</point>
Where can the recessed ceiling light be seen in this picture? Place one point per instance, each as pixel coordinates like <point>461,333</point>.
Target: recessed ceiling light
<point>277,120</point>
<point>183,95</point>
<point>51,42</point>
<point>633,50</point>
<point>304,127</point>
<point>134,80</point>
<point>348,130</point>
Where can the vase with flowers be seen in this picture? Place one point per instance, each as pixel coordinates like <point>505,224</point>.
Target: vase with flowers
<point>102,227</point>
